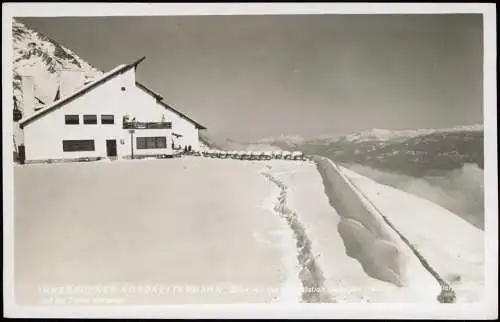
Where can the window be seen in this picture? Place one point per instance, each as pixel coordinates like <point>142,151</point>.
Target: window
<point>90,119</point>
<point>107,119</point>
<point>72,119</point>
<point>140,142</point>
<point>78,145</point>
<point>153,142</point>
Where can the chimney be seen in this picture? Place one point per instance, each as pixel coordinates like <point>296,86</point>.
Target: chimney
<point>28,89</point>
<point>70,81</point>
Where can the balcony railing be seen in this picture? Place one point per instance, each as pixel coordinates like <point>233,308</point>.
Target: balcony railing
<point>147,125</point>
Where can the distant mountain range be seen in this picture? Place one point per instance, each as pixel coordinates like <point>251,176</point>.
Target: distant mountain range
<point>412,152</point>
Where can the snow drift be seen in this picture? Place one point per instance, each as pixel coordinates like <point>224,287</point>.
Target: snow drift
<point>343,278</point>
<point>366,236</point>
<point>453,247</point>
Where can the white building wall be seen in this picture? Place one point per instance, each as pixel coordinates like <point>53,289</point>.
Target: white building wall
<point>43,137</point>
<point>180,125</point>
<point>149,133</point>
<point>184,127</point>
<point>143,106</point>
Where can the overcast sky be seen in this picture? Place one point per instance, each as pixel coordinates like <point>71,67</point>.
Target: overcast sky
<point>249,77</point>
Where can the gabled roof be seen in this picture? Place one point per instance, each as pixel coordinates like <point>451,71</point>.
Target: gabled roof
<point>168,107</point>
<point>107,76</point>
<point>159,99</point>
<point>149,90</point>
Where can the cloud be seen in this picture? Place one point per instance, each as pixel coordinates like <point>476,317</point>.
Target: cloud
<point>461,191</point>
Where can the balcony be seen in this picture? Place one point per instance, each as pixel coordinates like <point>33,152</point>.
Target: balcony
<point>147,125</point>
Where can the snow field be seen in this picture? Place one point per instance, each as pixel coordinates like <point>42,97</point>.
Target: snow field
<point>172,223</point>
<point>188,221</point>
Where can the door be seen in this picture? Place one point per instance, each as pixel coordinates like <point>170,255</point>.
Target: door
<point>111,148</point>
<point>21,154</point>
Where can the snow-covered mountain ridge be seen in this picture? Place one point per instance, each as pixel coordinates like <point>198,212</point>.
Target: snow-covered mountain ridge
<point>374,134</point>
<point>36,55</point>
<point>386,135</point>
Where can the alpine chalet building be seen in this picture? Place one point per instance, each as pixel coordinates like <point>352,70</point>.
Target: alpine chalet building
<point>112,117</point>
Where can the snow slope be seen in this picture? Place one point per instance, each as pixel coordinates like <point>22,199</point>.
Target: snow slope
<point>451,245</point>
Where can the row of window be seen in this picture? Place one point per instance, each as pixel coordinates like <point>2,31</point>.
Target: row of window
<point>78,145</point>
<point>153,142</point>
<point>89,119</point>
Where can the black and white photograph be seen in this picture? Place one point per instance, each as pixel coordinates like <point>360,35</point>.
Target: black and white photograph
<point>337,158</point>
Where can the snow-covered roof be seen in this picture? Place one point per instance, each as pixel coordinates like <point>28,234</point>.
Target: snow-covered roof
<point>107,76</point>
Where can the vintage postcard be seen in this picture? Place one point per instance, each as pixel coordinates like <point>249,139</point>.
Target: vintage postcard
<point>250,160</point>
